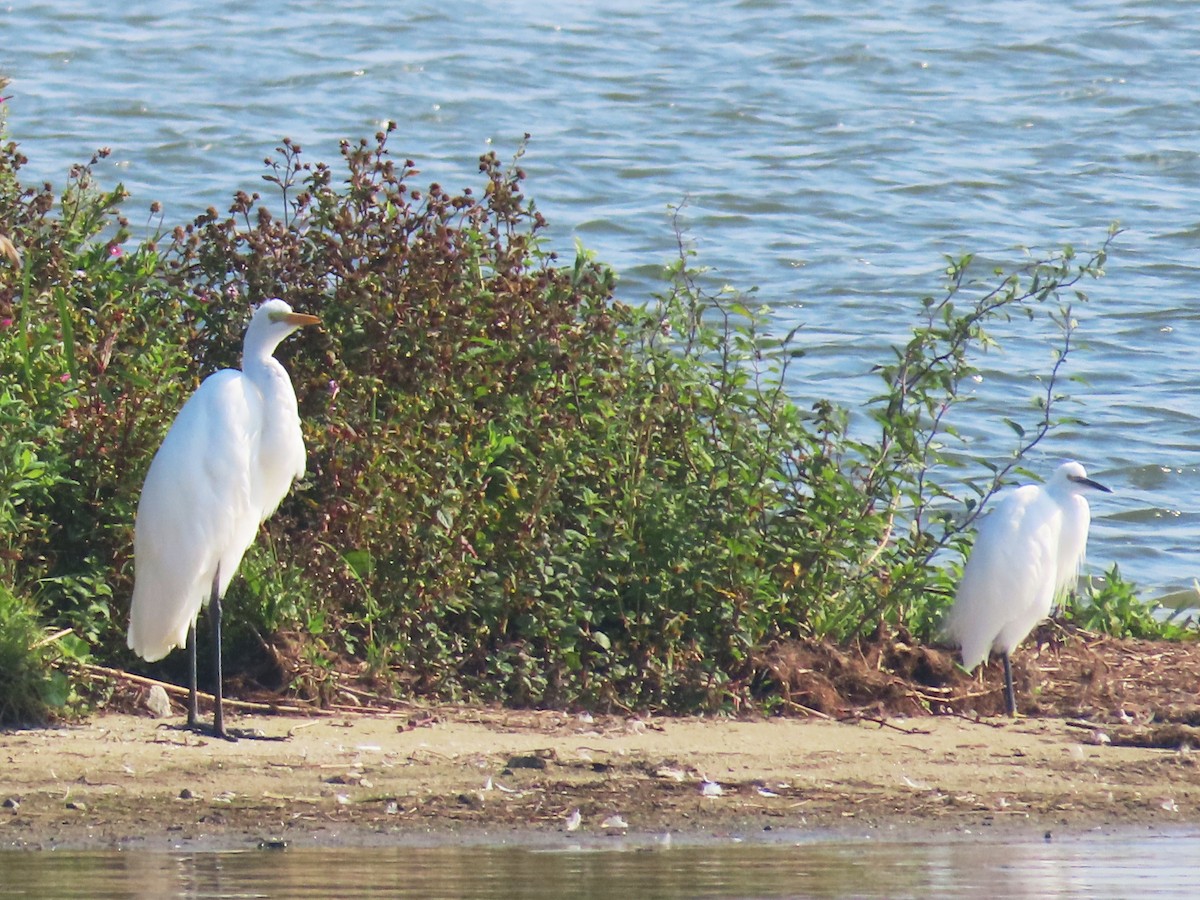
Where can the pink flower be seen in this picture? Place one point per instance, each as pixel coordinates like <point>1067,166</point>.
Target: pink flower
<point>115,251</point>
<point>64,377</point>
<point>5,323</point>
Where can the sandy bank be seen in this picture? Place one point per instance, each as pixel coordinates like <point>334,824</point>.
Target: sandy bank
<point>445,773</point>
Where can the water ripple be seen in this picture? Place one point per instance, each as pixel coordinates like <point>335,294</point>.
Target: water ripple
<point>830,159</point>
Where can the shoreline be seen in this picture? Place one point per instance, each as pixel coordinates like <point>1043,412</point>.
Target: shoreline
<point>461,775</point>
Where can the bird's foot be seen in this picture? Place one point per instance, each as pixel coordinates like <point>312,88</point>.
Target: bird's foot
<point>205,730</point>
<point>233,735</point>
<point>251,734</point>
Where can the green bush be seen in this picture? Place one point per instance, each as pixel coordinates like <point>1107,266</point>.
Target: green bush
<point>1113,607</point>
<point>29,688</point>
<point>520,487</point>
<point>95,357</point>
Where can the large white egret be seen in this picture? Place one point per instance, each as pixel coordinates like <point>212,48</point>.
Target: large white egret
<point>227,461</point>
<point>1028,551</point>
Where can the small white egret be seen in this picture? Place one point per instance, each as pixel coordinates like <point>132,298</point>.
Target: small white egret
<point>1027,551</point>
<point>227,461</point>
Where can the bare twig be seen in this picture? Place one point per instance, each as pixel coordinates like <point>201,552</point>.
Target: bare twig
<point>179,691</point>
<point>807,710</point>
<point>884,723</point>
<point>51,638</point>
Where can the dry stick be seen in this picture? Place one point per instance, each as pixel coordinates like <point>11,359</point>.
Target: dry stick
<point>974,719</point>
<point>375,711</point>
<point>887,536</point>
<point>807,710</point>
<point>921,696</point>
<point>369,695</point>
<point>332,710</point>
<point>863,717</point>
<point>51,638</point>
<point>119,675</point>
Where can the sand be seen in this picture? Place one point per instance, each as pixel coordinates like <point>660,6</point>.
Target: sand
<point>444,773</point>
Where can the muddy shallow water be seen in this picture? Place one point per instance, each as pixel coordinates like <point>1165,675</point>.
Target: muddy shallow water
<point>1122,865</point>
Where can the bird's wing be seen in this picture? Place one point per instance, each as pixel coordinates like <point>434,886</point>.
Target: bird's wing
<point>1072,543</point>
<point>1038,563</point>
<point>1005,575</point>
<point>281,456</point>
<point>195,512</point>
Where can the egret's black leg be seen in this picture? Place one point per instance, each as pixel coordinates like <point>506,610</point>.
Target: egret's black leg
<point>214,614</point>
<point>1010,696</point>
<point>193,712</point>
<point>218,728</point>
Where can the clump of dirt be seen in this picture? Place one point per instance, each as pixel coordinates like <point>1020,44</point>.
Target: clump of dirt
<point>1089,675</point>
<point>881,677</point>
<point>1059,671</point>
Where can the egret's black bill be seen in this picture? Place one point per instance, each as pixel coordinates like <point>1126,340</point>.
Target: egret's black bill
<point>1087,482</point>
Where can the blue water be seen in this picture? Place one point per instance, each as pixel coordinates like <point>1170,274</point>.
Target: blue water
<point>1124,866</point>
<point>829,158</point>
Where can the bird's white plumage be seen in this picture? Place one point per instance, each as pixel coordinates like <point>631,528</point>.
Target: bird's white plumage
<point>1028,550</point>
<point>227,461</point>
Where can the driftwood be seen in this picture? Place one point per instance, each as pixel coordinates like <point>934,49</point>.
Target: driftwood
<point>1167,736</point>
<point>1160,736</point>
<point>274,709</point>
<point>180,691</point>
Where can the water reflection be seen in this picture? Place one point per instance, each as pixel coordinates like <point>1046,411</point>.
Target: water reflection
<point>1112,866</point>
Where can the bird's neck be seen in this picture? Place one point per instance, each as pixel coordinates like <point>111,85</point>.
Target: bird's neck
<point>258,356</point>
<point>264,369</point>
